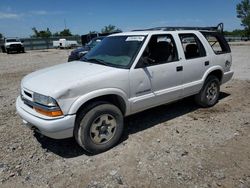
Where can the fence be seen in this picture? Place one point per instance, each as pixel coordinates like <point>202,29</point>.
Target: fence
<point>39,43</point>
<point>237,39</point>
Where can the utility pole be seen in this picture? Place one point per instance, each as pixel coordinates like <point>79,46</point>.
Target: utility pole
<point>65,26</point>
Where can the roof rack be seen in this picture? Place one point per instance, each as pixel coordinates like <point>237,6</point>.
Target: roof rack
<point>219,28</point>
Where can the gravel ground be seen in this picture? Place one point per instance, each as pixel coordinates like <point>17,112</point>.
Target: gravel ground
<point>177,145</point>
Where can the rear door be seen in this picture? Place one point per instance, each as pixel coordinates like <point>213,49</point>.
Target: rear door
<point>195,62</point>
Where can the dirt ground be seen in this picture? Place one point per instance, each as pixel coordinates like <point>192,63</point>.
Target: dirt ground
<point>176,145</point>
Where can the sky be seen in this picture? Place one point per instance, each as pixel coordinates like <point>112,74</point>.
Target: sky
<point>17,17</point>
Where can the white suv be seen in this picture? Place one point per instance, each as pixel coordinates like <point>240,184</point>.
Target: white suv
<point>125,74</point>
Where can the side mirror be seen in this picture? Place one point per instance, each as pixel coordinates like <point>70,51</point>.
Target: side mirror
<point>145,61</point>
<point>142,63</point>
<point>80,54</point>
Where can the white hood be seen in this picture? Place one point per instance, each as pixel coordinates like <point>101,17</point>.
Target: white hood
<point>56,80</point>
<point>9,43</point>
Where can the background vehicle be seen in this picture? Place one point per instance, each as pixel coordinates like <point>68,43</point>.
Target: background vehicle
<point>81,51</point>
<point>12,45</point>
<point>125,74</point>
<point>63,43</point>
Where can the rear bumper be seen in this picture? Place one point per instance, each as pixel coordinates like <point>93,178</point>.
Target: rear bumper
<point>227,76</point>
<point>54,128</point>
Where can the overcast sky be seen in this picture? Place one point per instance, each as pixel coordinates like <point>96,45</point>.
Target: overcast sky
<point>17,17</point>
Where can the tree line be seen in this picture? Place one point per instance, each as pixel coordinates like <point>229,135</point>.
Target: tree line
<point>66,32</point>
<point>47,33</point>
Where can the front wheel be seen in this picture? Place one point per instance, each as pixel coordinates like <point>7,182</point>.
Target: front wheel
<point>100,128</point>
<point>209,94</point>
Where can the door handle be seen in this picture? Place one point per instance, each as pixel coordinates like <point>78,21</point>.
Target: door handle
<point>179,68</point>
<point>206,63</point>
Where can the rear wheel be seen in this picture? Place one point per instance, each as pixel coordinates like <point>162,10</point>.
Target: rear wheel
<point>100,128</point>
<point>209,94</point>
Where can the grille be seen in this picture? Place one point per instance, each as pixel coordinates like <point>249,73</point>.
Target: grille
<point>28,94</point>
<point>15,45</point>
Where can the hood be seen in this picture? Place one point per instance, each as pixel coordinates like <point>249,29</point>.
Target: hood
<point>53,81</point>
<point>8,43</point>
<point>81,49</point>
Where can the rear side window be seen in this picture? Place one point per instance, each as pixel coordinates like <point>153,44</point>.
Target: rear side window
<point>217,42</point>
<point>192,46</point>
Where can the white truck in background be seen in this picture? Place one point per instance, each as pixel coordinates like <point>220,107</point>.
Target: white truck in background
<point>12,45</point>
<point>63,43</point>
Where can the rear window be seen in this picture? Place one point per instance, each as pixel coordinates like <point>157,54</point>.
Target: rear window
<point>217,42</point>
<point>192,46</point>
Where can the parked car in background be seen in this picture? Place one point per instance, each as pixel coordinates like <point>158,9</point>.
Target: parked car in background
<point>12,45</point>
<point>245,38</point>
<point>81,51</point>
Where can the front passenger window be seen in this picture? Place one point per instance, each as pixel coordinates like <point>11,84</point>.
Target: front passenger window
<point>160,49</point>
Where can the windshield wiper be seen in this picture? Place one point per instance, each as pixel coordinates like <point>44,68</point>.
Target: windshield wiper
<point>98,61</point>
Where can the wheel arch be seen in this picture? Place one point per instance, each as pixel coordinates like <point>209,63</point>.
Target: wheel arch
<point>216,71</point>
<point>113,96</point>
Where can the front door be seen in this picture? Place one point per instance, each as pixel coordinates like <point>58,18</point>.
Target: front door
<point>157,78</point>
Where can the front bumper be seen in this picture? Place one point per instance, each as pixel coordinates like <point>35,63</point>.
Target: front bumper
<point>227,76</point>
<point>54,128</point>
<point>15,48</point>
<point>73,57</point>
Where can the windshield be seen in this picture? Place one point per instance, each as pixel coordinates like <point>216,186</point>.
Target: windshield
<point>116,51</point>
<point>12,40</point>
<point>94,42</point>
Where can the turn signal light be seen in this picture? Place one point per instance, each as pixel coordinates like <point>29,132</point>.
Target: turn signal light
<point>49,113</point>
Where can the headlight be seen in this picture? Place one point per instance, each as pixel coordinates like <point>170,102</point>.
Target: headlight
<point>44,100</point>
<point>7,46</point>
<point>46,105</point>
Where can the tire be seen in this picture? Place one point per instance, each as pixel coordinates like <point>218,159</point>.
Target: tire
<point>7,51</point>
<point>209,94</point>
<point>98,127</point>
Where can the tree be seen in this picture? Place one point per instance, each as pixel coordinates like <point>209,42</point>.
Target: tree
<point>1,35</point>
<point>110,29</point>
<point>236,33</point>
<point>65,32</point>
<point>41,34</point>
<point>93,32</point>
<point>56,34</point>
<point>243,12</point>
